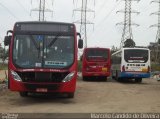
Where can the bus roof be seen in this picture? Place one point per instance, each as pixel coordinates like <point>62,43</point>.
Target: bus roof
<point>129,48</point>
<point>96,48</point>
<point>42,22</point>
<point>135,48</point>
<point>43,26</point>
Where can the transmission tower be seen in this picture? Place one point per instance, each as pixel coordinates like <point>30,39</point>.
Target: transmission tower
<point>42,10</point>
<point>127,30</point>
<point>83,19</point>
<point>156,47</point>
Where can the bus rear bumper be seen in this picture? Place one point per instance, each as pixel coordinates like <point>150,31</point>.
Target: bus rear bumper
<point>134,75</point>
<point>96,74</point>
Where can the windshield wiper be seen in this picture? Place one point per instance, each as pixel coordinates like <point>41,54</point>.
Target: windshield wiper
<point>54,40</point>
<point>34,42</point>
<point>36,45</point>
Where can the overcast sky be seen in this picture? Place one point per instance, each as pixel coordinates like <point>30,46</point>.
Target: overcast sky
<point>105,32</point>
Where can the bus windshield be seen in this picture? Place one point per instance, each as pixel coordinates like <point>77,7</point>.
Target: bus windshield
<point>96,55</point>
<point>136,55</point>
<point>43,51</point>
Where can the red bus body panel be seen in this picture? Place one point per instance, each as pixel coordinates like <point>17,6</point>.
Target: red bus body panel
<point>66,87</point>
<point>96,68</point>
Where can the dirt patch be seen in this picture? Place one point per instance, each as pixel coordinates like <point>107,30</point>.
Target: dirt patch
<point>90,97</point>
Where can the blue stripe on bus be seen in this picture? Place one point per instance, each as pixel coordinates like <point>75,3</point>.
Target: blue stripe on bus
<point>134,75</point>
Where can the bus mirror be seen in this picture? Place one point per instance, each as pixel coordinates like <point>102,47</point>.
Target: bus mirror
<point>7,40</point>
<point>80,43</point>
<point>9,31</point>
<point>78,34</point>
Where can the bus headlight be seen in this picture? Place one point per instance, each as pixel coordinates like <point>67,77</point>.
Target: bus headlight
<point>15,76</point>
<point>69,77</point>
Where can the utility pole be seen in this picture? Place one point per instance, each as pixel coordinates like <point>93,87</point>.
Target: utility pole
<point>83,20</point>
<point>41,10</point>
<point>157,41</point>
<point>127,30</point>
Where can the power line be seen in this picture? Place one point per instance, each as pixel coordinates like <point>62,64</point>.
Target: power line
<point>24,8</point>
<point>101,7</point>
<point>104,19</point>
<point>114,7</point>
<point>9,11</point>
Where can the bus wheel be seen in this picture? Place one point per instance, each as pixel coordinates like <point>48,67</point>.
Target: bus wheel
<point>105,78</point>
<point>138,80</point>
<point>23,94</point>
<point>113,76</point>
<point>70,95</point>
<point>116,77</point>
<point>84,78</point>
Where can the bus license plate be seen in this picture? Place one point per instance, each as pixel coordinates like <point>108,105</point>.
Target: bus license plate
<point>43,90</point>
<point>104,69</point>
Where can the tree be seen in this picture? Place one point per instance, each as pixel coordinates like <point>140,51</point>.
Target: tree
<point>3,54</point>
<point>114,49</point>
<point>129,43</point>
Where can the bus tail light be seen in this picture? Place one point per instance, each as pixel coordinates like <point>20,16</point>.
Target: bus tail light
<point>69,77</point>
<point>123,68</point>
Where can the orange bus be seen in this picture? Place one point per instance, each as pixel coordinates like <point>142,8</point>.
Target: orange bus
<point>96,63</point>
<point>42,57</point>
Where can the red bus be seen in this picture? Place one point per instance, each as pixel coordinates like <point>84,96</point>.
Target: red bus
<point>96,63</point>
<point>42,57</point>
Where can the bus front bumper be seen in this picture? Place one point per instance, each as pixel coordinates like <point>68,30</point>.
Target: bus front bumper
<point>43,87</point>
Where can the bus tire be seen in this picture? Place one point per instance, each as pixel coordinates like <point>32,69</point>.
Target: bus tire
<point>8,84</point>
<point>84,78</point>
<point>138,80</point>
<point>116,77</point>
<point>105,78</point>
<point>23,94</point>
<point>70,95</point>
<point>113,76</point>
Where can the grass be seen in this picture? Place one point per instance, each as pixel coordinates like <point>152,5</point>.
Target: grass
<point>3,66</point>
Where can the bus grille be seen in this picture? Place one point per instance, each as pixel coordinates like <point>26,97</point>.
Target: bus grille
<point>42,76</point>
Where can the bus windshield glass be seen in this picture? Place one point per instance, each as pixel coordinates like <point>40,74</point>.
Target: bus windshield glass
<point>136,55</point>
<point>96,55</point>
<point>43,51</point>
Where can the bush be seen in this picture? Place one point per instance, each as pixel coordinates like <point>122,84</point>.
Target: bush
<point>155,67</point>
<point>3,66</point>
<point>79,66</point>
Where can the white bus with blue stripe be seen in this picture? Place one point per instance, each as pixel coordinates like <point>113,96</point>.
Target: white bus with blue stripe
<point>131,63</point>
